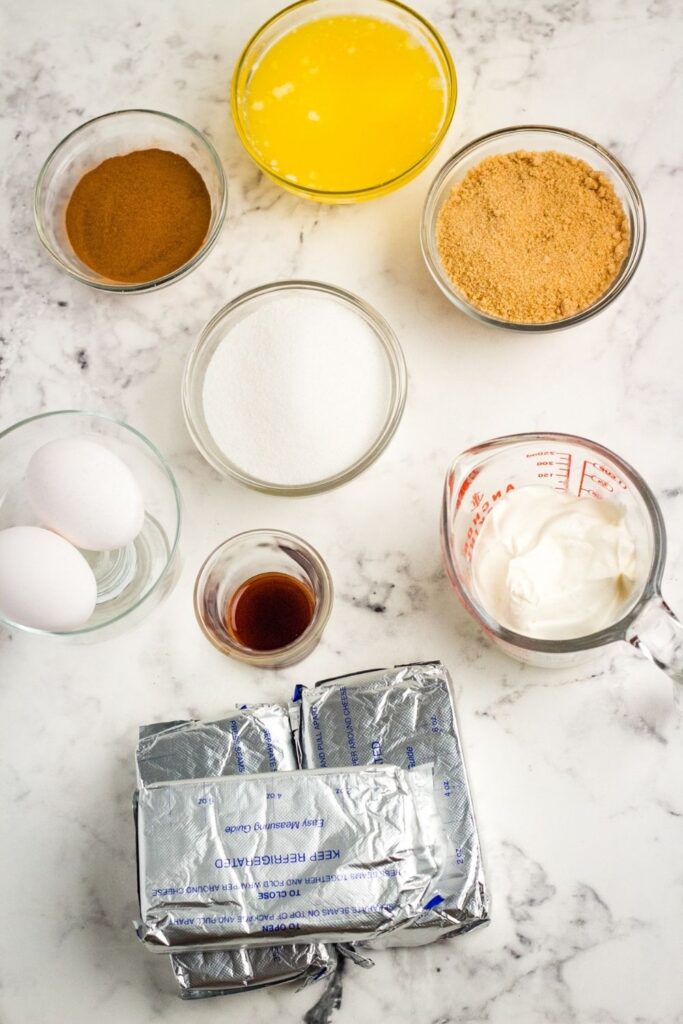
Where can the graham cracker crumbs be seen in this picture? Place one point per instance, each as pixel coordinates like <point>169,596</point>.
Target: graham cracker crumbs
<point>532,237</point>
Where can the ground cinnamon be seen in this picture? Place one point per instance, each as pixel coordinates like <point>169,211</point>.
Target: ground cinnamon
<point>137,217</point>
<point>532,237</point>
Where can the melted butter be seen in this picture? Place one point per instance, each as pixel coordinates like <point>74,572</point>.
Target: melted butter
<point>344,103</point>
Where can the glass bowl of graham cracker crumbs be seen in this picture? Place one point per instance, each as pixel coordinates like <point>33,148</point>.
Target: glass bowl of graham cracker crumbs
<point>533,228</point>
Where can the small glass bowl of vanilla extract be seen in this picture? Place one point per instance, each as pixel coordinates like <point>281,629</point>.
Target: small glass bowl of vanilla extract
<point>264,597</point>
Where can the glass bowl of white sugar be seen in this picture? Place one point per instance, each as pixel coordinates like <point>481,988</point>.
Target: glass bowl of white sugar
<point>294,388</point>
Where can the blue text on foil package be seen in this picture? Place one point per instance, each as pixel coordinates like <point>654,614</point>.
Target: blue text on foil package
<point>404,716</point>
<point>251,739</point>
<point>323,855</point>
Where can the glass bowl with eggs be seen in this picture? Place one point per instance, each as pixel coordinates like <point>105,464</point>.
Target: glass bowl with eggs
<point>90,517</point>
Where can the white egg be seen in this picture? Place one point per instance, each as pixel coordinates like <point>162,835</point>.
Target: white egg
<point>85,492</point>
<point>45,582</point>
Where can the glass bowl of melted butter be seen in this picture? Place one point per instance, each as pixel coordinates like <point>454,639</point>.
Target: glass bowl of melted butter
<point>343,101</point>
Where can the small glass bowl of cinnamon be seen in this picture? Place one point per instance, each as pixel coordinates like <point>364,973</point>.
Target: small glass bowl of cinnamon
<point>264,597</point>
<point>173,158</point>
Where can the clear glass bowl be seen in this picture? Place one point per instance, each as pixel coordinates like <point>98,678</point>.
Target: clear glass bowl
<point>219,328</point>
<point>237,560</point>
<point>306,10</point>
<point>533,137</point>
<point>481,476</point>
<point>110,135</point>
<point>133,580</point>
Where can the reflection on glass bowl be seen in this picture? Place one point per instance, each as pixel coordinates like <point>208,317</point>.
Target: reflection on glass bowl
<point>130,580</point>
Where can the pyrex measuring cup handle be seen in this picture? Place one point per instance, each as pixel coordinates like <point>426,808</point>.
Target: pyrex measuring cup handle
<point>658,634</point>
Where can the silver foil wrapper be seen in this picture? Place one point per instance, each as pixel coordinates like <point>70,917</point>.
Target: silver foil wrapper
<point>223,972</point>
<point>252,739</point>
<point>404,716</point>
<point>322,855</point>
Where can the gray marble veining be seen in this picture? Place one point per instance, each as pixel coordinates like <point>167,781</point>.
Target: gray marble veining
<point>576,775</point>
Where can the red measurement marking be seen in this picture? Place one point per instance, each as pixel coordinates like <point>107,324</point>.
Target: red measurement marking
<point>564,471</point>
<point>598,477</point>
<point>553,466</point>
<point>606,471</point>
<point>480,513</point>
<point>465,486</point>
<point>605,484</point>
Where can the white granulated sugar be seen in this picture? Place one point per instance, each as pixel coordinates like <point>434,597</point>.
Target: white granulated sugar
<point>298,390</point>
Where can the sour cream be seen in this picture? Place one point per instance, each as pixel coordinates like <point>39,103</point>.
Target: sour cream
<point>552,566</point>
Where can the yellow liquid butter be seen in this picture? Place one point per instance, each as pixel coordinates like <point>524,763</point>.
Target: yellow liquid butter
<point>343,104</point>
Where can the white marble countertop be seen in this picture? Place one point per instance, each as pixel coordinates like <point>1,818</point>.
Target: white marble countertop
<point>576,775</point>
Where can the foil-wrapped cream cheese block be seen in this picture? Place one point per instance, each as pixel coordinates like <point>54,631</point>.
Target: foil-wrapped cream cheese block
<point>404,716</point>
<point>320,855</point>
<point>251,739</point>
<point>224,971</point>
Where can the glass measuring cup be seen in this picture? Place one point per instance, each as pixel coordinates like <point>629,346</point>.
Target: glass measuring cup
<point>483,475</point>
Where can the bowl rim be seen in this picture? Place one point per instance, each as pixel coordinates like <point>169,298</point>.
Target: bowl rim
<point>173,549</point>
<point>397,398</point>
<point>158,282</point>
<point>608,634</point>
<point>298,649</point>
<point>370,191</point>
<point>635,210</point>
